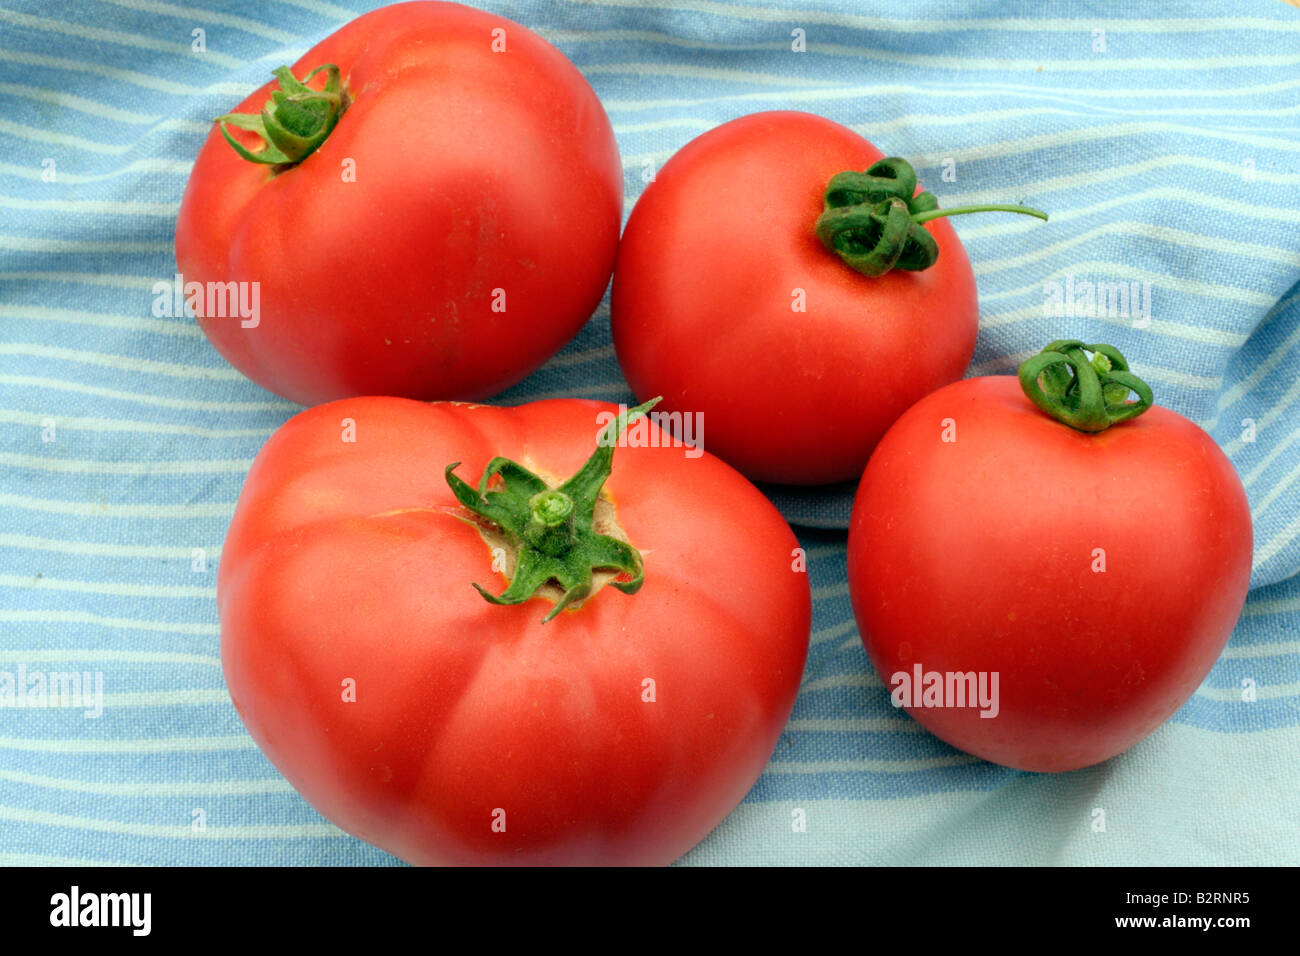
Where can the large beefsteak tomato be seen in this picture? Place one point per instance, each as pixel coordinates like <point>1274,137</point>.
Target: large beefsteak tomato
<point>445,218</point>
<point>1087,574</point>
<point>447,729</point>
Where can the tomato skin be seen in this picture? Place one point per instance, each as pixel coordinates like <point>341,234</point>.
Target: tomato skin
<point>704,289</point>
<point>353,560</point>
<point>475,171</point>
<point>978,555</point>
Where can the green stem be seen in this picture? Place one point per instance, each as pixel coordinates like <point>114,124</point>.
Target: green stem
<point>963,210</point>
<point>1088,394</point>
<point>552,528</point>
<point>873,220</point>
<point>294,122</point>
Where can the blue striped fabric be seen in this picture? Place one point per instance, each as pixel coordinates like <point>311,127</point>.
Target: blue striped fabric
<point>1162,137</point>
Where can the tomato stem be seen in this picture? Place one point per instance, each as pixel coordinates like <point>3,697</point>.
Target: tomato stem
<point>295,120</point>
<point>552,528</point>
<point>1087,394</point>
<point>873,220</point>
<point>964,210</point>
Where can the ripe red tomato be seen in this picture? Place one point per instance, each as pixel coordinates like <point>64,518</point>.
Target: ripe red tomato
<point>1099,575</point>
<point>455,228</point>
<point>726,303</point>
<point>620,732</point>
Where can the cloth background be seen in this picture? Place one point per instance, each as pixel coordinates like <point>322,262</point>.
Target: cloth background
<point>1170,157</point>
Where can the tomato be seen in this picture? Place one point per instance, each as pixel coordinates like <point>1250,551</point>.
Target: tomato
<point>1098,574</point>
<point>727,303</point>
<point>451,232</point>
<point>618,732</point>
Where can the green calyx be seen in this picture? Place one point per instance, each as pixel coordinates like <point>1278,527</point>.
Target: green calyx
<point>873,221</point>
<point>294,121</point>
<point>1087,394</point>
<point>551,528</point>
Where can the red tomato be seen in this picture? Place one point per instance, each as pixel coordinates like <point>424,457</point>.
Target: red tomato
<point>726,303</point>
<point>620,732</point>
<point>1098,575</point>
<point>478,235</point>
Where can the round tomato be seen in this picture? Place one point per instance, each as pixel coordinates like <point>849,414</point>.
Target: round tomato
<point>572,724</point>
<point>454,226</point>
<point>1087,580</point>
<point>732,301</point>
